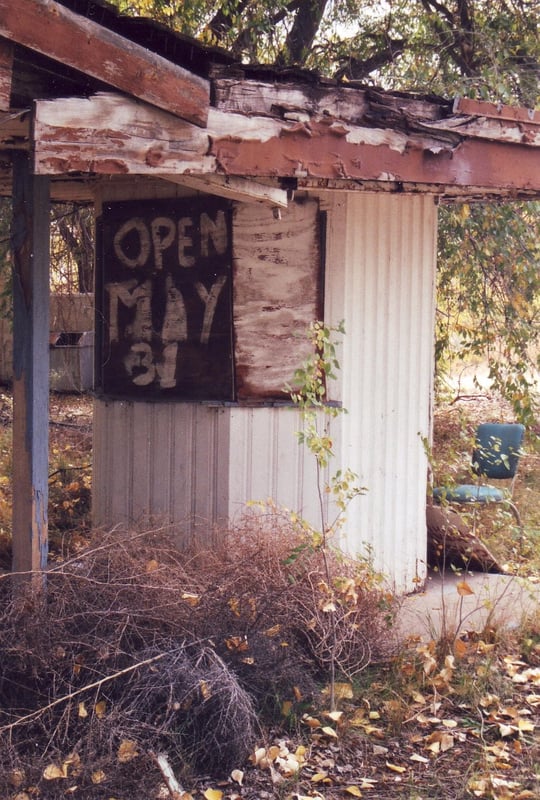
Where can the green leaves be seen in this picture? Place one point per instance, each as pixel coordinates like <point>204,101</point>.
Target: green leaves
<point>476,48</point>
<point>488,295</point>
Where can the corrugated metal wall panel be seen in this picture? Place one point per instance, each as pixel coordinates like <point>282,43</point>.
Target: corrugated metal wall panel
<point>384,291</point>
<point>268,463</point>
<point>161,464</point>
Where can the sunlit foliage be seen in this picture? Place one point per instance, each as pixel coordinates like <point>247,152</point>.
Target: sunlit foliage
<point>488,295</point>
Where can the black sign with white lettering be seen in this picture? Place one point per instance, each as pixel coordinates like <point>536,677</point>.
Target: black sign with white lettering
<point>164,296</point>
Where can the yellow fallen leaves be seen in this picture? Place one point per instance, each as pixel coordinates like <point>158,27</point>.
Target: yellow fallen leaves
<point>53,772</point>
<point>342,691</point>
<point>439,742</point>
<point>69,767</point>
<point>190,598</point>
<point>320,777</point>
<point>279,758</point>
<point>395,767</point>
<point>463,589</point>
<point>98,776</point>
<point>496,788</point>
<point>237,776</point>
<point>510,720</point>
<point>127,751</point>
<point>100,709</point>
<point>213,794</point>
<point>330,732</point>
<point>237,643</point>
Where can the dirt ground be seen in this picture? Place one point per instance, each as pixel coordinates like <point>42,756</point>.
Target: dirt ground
<point>450,718</point>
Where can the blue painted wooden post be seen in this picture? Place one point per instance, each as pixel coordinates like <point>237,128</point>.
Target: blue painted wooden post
<point>30,248</point>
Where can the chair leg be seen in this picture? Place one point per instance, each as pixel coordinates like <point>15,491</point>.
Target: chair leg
<point>517,515</point>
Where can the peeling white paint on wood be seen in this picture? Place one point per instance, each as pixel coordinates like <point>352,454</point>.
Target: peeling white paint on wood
<point>109,133</point>
<point>234,188</point>
<point>277,268</point>
<point>57,32</point>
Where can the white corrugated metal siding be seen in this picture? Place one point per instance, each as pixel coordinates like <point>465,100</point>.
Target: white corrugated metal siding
<point>161,464</point>
<point>268,463</point>
<point>380,280</point>
<point>196,466</point>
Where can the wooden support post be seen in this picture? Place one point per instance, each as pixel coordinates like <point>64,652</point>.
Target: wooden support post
<point>30,246</point>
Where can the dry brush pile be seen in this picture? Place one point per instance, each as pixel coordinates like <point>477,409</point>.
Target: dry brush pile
<point>137,649</point>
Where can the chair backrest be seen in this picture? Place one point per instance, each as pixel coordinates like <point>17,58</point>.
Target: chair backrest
<point>497,449</point>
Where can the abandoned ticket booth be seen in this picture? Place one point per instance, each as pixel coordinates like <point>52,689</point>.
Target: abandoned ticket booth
<point>234,205</point>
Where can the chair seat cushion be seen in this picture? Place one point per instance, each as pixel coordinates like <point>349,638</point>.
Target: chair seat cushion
<point>469,493</point>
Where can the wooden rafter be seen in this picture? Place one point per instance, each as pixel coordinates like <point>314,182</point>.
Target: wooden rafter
<point>240,189</point>
<point>58,33</point>
<point>114,135</point>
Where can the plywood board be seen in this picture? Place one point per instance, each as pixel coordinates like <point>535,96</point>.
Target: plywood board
<point>164,300</point>
<point>277,293</point>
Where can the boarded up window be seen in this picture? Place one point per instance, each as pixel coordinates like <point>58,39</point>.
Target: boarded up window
<point>164,318</point>
<point>277,293</point>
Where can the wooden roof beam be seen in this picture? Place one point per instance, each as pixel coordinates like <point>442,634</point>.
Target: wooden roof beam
<point>109,134</point>
<point>234,188</point>
<point>58,33</point>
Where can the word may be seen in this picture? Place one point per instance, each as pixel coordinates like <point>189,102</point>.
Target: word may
<point>137,240</point>
<point>140,331</point>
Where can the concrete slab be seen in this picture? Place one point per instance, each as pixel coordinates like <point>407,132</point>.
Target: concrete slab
<point>499,600</point>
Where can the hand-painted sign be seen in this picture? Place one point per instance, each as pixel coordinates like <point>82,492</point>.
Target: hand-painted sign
<point>164,300</point>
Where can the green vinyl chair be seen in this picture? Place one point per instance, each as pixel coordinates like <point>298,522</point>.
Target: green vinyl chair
<point>496,457</point>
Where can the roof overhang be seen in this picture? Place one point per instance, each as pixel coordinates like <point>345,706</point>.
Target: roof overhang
<point>157,119</point>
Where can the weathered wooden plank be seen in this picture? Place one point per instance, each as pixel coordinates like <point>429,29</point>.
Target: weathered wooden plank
<point>328,186</point>
<point>111,134</point>
<point>298,101</point>
<point>287,100</point>
<point>234,188</point>
<point>6,67</point>
<point>277,293</point>
<point>327,149</point>
<point>53,30</point>
<point>30,241</point>
<point>480,108</point>
<point>500,130</point>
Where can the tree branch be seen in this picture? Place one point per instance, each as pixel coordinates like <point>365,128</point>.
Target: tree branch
<point>359,68</point>
<point>305,26</point>
<point>223,20</point>
<point>95,685</point>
